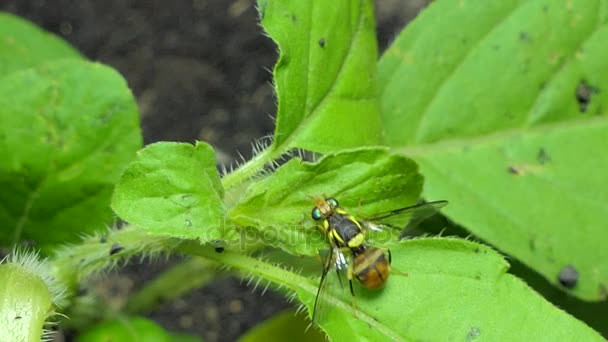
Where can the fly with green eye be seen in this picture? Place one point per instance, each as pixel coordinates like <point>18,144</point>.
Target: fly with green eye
<point>349,252</point>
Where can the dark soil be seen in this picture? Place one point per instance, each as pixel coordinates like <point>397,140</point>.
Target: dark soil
<point>200,71</point>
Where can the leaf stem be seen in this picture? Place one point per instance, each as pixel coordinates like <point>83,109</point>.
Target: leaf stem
<point>250,266</point>
<point>73,263</point>
<point>249,168</point>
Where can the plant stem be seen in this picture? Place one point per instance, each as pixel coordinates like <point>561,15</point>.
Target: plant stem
<point>249,169</point>
<point>252,267</point>
<point>181,278</point>
<point>73,263</point>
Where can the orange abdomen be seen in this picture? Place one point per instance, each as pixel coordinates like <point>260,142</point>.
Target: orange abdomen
<point>371,268</point>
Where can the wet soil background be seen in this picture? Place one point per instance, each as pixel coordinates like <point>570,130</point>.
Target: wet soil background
<point>200,71</point>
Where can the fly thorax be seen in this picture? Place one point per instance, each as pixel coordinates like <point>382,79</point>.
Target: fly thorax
<point>346,230</point>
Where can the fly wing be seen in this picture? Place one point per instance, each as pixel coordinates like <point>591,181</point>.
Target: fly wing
<point>332,285</point>
<point>410,216</point>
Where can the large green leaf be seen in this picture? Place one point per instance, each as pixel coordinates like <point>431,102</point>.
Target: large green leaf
<point>67,129</point>
<point>366,181</point>
<point>502,104</point>
<point>439,290</point>
<point>173,189</point>
<point>23,45</point>
<point>325,76</point>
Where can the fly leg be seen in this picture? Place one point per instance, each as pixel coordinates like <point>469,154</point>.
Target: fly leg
<point>390,260</point>
<point>350,273</point>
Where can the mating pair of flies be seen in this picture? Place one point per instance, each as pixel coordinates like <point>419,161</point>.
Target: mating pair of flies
<point>350,252</point>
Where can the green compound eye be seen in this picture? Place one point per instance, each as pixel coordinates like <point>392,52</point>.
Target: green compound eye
<point>316,214</point>
<point>333,203</point>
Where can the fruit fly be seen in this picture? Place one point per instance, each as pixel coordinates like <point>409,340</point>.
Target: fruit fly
<point>350,253</point>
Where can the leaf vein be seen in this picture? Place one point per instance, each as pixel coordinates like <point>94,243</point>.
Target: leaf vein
<point>449,75</point>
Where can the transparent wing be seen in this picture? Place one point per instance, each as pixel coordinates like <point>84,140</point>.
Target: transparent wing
<point>399,218</point>
<point>334,282</point>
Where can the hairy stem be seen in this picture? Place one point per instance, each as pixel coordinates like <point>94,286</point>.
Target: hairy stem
<point>252,267</point>
<point>249,169</point>
<point>96,253</point>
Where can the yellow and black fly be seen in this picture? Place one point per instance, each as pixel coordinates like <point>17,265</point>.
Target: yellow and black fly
<point>349,251</point>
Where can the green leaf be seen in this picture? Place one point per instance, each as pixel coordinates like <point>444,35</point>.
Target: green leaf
<point>132,329</point>
<point>367,181</point>
<point>592,313</point>
<point>23,45</point>
<point>486,103</point>
<point>440,289</point>
<point>286,326</point>
<point>464,286</point>
<point>173,189</point>
<point>66,131</point>
<point>325,76</point>
<point>25,302</point>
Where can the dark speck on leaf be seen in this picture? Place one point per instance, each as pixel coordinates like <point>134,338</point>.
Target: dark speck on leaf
<point>524,36</point>
<point>219,249</point>
<point>83,291</point>
<point>584,92</point>
<point>116,248</point>
<point>18,317</point>
<point>532,245</point>
<point>103,239</point>
<point>294,19</point>
<point>476,249</point>
<point>568,276</point>
<point>543,157</point>
<point>545,8</point>
<point>512,170</point>
<point>322,42</point>
<point>473,334</point>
